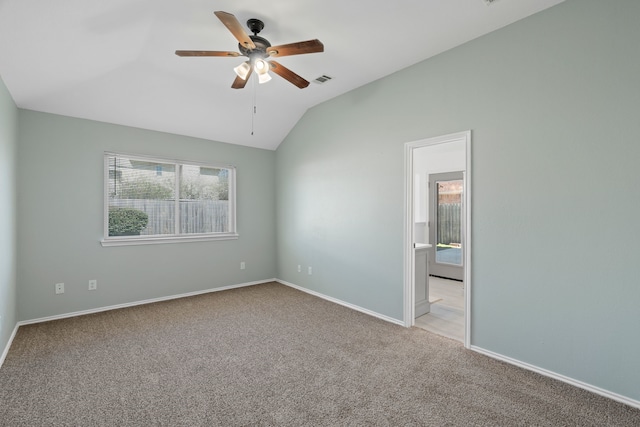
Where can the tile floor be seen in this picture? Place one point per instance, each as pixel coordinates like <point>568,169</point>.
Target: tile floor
<point>447,309</point>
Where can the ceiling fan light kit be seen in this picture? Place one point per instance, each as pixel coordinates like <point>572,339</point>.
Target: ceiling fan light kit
<point>258,49</point>
<point>264,77</point>
<point>242,70</point>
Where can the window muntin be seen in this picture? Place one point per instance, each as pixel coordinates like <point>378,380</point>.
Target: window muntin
<point>141,204</point>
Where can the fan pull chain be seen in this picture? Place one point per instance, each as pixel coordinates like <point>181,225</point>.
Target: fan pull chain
<point>253,119</point>
<point>255,108</point>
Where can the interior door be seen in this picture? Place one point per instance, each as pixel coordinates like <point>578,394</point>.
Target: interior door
<point>446,232</point>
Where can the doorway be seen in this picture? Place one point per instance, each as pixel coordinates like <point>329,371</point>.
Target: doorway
<point>438,156</point>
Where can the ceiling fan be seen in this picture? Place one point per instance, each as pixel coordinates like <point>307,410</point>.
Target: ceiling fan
<point>258,49</point>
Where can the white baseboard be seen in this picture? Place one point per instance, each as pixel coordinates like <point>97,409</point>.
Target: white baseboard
<point>524,365</point>
<point>142,302</point>
<point>343,303</point>
<point>8,346</point>
<point>559,377</point>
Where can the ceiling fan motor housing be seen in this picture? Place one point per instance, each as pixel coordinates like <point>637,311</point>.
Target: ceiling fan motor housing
<point>260,50</point>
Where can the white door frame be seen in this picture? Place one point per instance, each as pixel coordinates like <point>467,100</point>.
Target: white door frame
<point>409,252</point>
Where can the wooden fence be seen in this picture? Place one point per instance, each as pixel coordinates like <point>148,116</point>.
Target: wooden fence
<point>449,223</point>
<point>196,216</point>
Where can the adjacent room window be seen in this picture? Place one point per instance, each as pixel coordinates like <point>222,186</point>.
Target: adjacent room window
<point>151,200</point>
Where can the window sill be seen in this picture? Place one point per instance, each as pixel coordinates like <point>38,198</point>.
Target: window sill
<point>136,240</point>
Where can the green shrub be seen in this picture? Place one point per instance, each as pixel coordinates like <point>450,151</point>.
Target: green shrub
<point>126,221</point>
<point>141,188</point>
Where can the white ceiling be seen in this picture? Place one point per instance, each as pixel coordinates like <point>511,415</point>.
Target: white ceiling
<point>114,61</point>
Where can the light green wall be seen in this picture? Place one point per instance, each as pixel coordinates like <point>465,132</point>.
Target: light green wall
<point>8,142</point>
<point>60,205</point>
<point>553,104</point>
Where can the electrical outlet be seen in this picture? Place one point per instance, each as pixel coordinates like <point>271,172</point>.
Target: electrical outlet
<point>299,268</point>
<point>59,288</point>
<point>310,271</point>
<point>93,285</point>
<point>242,265</point>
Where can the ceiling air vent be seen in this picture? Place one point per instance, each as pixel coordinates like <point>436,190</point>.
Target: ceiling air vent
<point>322,79</point>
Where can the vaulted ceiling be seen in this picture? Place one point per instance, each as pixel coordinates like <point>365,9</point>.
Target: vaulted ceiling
<point>114,61</point>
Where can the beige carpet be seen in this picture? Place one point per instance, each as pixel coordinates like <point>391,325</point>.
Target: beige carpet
<point>270,355</point>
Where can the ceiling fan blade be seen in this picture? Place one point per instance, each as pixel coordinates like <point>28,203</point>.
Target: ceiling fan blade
<point>205,53</point>
<point>236,29</point>
<point>309,46</point>
<point>239,82</point>
<point>289,75</point>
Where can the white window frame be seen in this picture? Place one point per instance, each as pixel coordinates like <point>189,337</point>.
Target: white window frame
<point>169,238</point>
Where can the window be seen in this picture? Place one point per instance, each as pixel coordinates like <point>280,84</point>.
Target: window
<point>150,200</point>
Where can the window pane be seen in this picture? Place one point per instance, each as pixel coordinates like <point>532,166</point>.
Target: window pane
<point>165,198</point>
<point>204,200</point>
<point>141,197</point>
